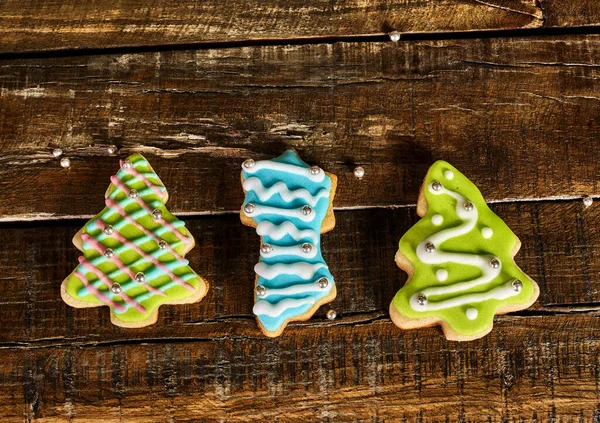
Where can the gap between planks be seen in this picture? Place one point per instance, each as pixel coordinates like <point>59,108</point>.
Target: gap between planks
<point>247,324</point>
<point>10,222</point>
<point>265,42</point>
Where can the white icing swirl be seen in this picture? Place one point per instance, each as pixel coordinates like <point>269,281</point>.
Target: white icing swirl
<point>265,308</point>
<point>254,184</point>
<point>297,213</point>
<point>301,288</point>
<point>302,269</point>
<point>293,250</point>
<point>277,232</point>
<point>285,167</point>
<point>438,256</point>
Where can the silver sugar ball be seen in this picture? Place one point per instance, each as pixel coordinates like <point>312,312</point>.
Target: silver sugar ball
<point>112,149</point>
<point>266,248</point>
<point>156,214</point>
<point>588,201</point>
<point>322,283</point>
<point>249,208</point>
<point>315,170</point>
<point>421,299</point>
<point>133,193</point>
<point>108,230</point>
<point>306,248</point>
<point>65,162</point>
<point>394,36</point>
<point>331,314</point>
<point>517,285</point>
<point>109,253</point>
<point>468,206</point>
<point>249,163</point>
<point>260,291</point>
<point>359,172</point>
<point>429,247</point>
<point>436,186</point>
<point>57,152</point>
<point>162,244</point>
<point>306,210</point>
<point>140,277</point>
<point>115,288</point>
<point>495,263</point>
<point>126,165</point>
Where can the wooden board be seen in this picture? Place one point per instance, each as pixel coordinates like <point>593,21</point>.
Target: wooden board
<point>28,25</point>
<point>530,368</point>
<point>558,13</point>
<point>561,250</point>
<point>518,116</point>
<point>200,86</point>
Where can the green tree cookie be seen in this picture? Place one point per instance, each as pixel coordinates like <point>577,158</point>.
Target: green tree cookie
<point>133,252</point>
<point>459,258</point>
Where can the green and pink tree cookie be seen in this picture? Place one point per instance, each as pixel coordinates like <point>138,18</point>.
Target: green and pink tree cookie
<point>133,252</point>
<point>459,259</point>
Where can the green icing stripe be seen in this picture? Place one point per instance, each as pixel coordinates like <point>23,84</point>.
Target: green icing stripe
<point>178,266</point>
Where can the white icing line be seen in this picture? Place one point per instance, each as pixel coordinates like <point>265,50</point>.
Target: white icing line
<point>255,184</point>
<point>259,209</point>
<point>301,288</point>
<point>501,292</point>
<point>293,250</point>
<point>303,270</point>
<point>285,167</point>
<point>265,308</point>
<point>277,232</point>
<point>438,256</point>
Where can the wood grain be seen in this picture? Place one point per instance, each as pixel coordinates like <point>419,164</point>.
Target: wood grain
<point>518,116</point>
<point>561,251</point>
<point>28,25</point>
<point>530,368</point>
<point>559,13</point>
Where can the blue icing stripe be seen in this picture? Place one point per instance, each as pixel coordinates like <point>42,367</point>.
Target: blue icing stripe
<point>289,293</point>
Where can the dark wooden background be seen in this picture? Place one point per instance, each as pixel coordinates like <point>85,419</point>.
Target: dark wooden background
<point>506,90</point>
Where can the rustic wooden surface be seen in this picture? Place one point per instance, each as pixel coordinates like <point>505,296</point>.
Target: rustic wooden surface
<point>526,110</point>
<point>200,86</point>
<point>30,25</point>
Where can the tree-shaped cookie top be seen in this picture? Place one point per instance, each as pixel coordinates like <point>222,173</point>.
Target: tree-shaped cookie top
<point>459,258</point>
<point>133,252</point>
<point>290,205</point>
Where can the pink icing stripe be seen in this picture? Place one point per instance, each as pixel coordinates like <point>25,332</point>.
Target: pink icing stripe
<point>109,283</point>
<point>148,257</point>
<point>112,204</point>
<point>145,180</point>
<point>116,260</point>
<point>145,206</point>
<point>99,293</point>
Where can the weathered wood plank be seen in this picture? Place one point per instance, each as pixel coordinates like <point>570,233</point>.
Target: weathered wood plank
<point>534,368</point>
<point>27,25</point>
<point>519,116</point>
<point>558,13</point>
<point>561,250</point>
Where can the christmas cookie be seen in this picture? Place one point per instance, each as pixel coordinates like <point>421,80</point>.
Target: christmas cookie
<point>133,252</point>
<point>459,260</point>
<point>290,205</point>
